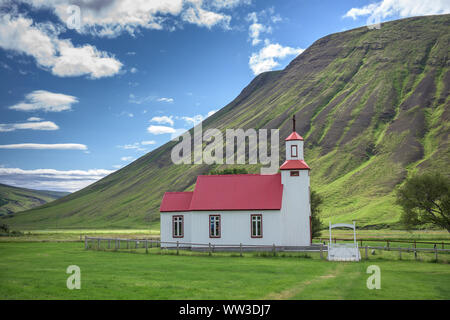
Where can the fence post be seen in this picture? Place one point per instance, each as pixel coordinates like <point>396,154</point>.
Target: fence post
<point>178,247</point>
<point>367,255</point>
<point>274,250</point>
<point>136,244</point>
<point>115,245</point>
<point>119,244</point>
<point>442,244</point>
<point>98,243</point>
<point>400,253</point>
<point>109,243</point>
<point>435,253</point>
<point>240,248</point>
<point>209,245</point>
<point>85,242</point>
<point>128,243</point>
<point>151,243</point>
<point>146,246</point>
<point>415,252</point>
<point>321,250</point>
<point>387,242</point>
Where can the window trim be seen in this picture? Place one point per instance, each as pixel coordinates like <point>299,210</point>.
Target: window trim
<point>295,173</point>
<point>182,226</point>
<point>220,226</point>
<point>292,151</point>
<point>251,225</point>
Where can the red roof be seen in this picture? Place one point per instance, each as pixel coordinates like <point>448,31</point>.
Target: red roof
<point>231,192</point>
<point>176,201</point>
<point>294,165</point>
<point>294,136</point>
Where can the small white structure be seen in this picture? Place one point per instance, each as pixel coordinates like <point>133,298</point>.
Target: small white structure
<point>343,251</point>
<point>251,209</point>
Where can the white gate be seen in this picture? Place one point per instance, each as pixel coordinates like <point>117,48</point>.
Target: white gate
<point>343,251</point>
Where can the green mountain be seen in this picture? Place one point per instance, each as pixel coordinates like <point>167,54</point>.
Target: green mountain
<point>13,199</point>
<point>372,105</point>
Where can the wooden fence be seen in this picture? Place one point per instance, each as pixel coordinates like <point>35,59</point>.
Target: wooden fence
<point>414,243</point>
<point>117,244</point>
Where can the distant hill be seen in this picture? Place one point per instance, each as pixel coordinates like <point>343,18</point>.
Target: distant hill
<point>13,199</point>
<point>372,104</point>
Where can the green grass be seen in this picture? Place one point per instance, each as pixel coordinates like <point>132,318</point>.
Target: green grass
<point>38,271</point>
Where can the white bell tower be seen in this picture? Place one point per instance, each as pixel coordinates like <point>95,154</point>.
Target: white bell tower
<point>296,208</point>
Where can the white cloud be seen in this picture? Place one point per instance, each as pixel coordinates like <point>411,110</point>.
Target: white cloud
<point>42,146</point>
<point>112,17</point>
<point>266,58</point>
<point>255,29</point>
<point>402,8</point>
<point>34,119</point>
<point>117,166</point>
<point>177,133</point>
<point>148,142</point>
<point>136,100</point>
<point>229,4</point>
<point>127,158</point>
<point>44,125</point>
<point>45,101</point>
<point>133,70</point>
<point>197,15</point>
<point>160,129</point>
<point>169,100</point>
<point>193,121</point>
<point>163,120</point>
<point>51,179</point>
<point>60,56</point>
<point>210,113</point>
<point>138,145</point>
<point>135,146</point>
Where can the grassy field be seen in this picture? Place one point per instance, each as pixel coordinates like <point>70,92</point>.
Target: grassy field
<point>33,270</point>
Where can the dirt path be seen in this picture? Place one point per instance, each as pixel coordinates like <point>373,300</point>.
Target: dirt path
<point>298,288</point>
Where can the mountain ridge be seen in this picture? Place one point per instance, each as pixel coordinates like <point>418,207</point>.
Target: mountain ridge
<point>372,105</point>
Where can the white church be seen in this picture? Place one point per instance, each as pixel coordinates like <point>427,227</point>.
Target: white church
<point>251,209</point>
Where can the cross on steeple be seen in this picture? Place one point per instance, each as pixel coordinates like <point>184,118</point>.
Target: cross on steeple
<point>293,123</point>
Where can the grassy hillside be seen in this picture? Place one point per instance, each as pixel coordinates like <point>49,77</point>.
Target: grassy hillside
<point>13,199</point>
<point>373,106</point>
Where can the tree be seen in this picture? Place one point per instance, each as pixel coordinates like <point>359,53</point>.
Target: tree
<point>229,171</point>
<point>316,223</point>
<point>4,228</point>
<point>425,199</point>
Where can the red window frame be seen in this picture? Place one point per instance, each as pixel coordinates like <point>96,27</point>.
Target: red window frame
<point>294,147</point>
<point>219,227</point>
<point>182,226</point>
<point>251,225</point>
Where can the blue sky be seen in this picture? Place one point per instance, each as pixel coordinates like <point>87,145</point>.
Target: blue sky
<point>77,104</point>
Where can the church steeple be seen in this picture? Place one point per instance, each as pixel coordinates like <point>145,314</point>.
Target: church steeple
<point>294,151</point>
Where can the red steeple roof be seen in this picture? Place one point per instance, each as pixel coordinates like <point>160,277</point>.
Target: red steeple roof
<point>294,165</point>
<point>294,136</point>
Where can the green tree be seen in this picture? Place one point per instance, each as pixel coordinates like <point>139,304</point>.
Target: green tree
<point>316,223</point>
<point>229,171</point>
<point>425,199</point>
<point>4,228</point>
